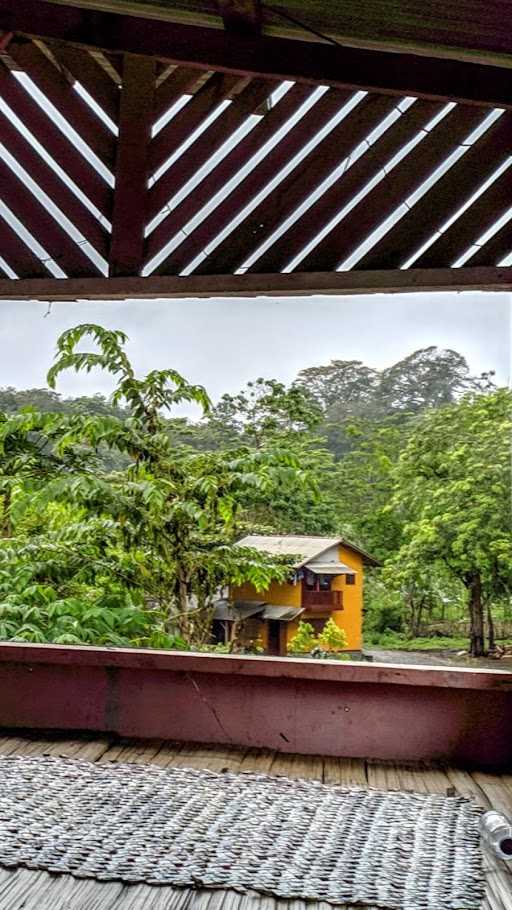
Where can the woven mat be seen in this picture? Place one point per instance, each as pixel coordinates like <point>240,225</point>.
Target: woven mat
<point>293,839</point>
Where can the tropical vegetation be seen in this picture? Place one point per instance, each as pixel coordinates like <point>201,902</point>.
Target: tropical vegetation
<point>119,520</point>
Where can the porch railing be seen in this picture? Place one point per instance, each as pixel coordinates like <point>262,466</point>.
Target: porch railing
<point>322,600</point>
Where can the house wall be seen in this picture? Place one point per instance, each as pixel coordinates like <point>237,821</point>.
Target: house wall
<point>290,595</point>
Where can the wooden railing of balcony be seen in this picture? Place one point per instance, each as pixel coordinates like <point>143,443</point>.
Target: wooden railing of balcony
<point>322,600</point>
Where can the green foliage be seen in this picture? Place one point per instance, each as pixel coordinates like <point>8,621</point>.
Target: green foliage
<point>304,639</point>
<point>119,502</point>
<point>453,488</point>
<point>332,638</point>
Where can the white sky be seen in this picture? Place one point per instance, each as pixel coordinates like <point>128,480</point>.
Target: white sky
<point>224,343</point>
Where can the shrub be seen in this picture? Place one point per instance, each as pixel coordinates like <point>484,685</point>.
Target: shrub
<point>304,639</point>
<point>332,638</point>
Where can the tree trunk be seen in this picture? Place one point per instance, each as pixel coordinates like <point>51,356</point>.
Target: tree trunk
<point>473,583</point>
<point>490,628</point>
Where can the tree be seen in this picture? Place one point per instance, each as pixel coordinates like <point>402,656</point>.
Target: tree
<point>428,378</point>
<point>179,508</point>
<point>453,489</point>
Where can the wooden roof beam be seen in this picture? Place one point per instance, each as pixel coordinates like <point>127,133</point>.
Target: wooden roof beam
<point>278,58</point>
<point>242,17</point>
<point>295,284</point>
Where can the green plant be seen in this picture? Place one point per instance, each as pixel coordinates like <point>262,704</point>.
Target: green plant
<point>332,638</point>
<point>304,639</point>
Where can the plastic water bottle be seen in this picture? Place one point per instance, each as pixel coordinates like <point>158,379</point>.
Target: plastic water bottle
<point>496,831</point>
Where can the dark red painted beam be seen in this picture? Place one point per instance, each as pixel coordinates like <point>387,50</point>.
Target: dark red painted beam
<point>278,58</point>
<point>295,284</point>
<point>311,707</point>
<point>132,165</point>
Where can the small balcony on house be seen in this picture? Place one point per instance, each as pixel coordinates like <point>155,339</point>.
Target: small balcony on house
<point>322,601</point>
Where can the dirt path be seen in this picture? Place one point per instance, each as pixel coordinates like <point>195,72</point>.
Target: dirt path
<point>445,658</point>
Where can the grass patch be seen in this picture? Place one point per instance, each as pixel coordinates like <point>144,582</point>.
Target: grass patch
<point>396,641</point>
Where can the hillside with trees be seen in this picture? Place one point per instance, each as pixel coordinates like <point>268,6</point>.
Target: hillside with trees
<point>118,520</point>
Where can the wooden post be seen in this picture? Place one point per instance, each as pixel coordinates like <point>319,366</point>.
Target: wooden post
<point>130,197</point>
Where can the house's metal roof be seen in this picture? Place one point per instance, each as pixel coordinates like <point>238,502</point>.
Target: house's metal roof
<point>228,611</point>
<point>331,568</point>
<point>304,547</point>
<point>283,614</point>
<point>290,545</point>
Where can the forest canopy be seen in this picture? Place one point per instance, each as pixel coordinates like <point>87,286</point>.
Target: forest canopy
<point>118,520</point>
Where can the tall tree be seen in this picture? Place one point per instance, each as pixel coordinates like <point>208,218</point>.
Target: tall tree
<point>428,378</point>
<point>177,506</point>
<point>453,488</point>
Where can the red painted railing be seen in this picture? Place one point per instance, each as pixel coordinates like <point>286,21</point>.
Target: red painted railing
<point>322,600</point>
<point>321,707</point>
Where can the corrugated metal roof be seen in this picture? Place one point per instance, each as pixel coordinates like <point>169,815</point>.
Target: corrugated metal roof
<point>290,545</point>
<point>331,568</point>
<point>283,614</point>
<point>227,611</point>
<point>305,547</point>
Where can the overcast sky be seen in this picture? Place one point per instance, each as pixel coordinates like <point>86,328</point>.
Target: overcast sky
<point>225,343</point>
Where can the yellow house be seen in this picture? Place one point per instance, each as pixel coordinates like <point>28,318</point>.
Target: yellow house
<point>327,582</point>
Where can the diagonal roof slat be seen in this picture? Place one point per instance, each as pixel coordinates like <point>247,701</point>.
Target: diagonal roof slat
<point>442,202</point>
<point>217,89</point>
<point>56,88</point>
<point>18,255</point>
<point>63,153</point>
<point>383,200</point>
<point>94,78</point>
<point>34,216</point>
<point>231,165</point>
<point>303,232</point>
<point>180,82</point>
<point>290,145</point>
<point>55,188</point>
<point>298,185</point>
<point>497,248</point>
<point>475,221</point>
<point>209,142</point>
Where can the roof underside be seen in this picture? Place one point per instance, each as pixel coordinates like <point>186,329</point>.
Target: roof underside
<point>185,160</point>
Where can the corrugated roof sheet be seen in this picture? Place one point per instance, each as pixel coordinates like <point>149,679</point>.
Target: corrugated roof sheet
<point>290,545</point>
<point>331,568</point>
<point>305,547</point>
<point>283,614</point>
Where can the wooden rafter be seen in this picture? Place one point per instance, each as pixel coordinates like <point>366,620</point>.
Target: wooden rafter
<point>275,119</point>
<point>405,178</point>
<point>234,203</point>
<point>279,58</point>
<point>132,165</point>
<point>243,17</point>
<point>442,202</point>
<point>297,284</point>
<point>461,30</point>
<point>304,231</point>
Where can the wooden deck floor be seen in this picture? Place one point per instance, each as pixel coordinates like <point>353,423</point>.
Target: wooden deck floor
<point>32,890</point>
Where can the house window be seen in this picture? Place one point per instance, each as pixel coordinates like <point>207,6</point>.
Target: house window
<point>324,582</point>
<point>310,581</point>
<point>350,579</point>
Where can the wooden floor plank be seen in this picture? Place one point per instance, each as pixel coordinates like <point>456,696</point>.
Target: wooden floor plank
<point>33,890</point>
<point>345,772</point>
<point>297,766</point>
<point>257,761</point>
